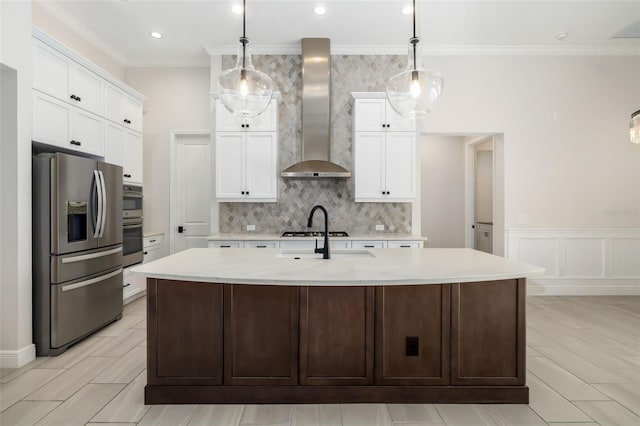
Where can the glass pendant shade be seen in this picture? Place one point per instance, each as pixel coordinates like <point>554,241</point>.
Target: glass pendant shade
<point>413,92</point>
<point>634,127</point>
<point>243,90</point>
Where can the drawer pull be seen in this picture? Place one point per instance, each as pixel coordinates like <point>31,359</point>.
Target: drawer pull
<point>91,281</point>
<point>152,241</point>
<point>404,246</point>
<point>261,246</point>
<point>225,246</point>
<point>126,285</point>
<point>77,143</point>
<point>368,246</point>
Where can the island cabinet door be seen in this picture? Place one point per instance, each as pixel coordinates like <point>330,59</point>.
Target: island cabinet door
<point>184,333</point>
<point>412,335</point>
<point>260,335</point>
<point>336,335</point>
<point>488,333</point>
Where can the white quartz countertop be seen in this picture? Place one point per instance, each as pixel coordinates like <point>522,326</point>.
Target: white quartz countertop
<point>355,237</point>
<point>152,234</point>
<point>386,267</point>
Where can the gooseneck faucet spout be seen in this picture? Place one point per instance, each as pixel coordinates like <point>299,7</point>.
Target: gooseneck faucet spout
<point>324,250</point>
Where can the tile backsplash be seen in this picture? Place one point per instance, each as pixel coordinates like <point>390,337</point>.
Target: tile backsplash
<point>352,73</point>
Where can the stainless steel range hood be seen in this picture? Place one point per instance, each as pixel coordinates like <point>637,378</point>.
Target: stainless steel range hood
<point>316,115</point>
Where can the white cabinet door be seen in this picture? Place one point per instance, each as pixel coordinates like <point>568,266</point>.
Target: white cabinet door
<point>265,122</point>
<point>370,115</point>
<point>51,121</point>
<point>132,157</point>
<point>114,104</point>
<point>367,244</point>
<point>404,244</point>
<point>261,244</point>
<point>87,132</point>
<point>229,165</point>
<point>395,122</point>
<point>88,90</point>
<point>369,166</point>
<point>224,244</point>
<point>261,181</point>
<point>133,113</point>
<point>151,254</point>
<point>114,136</point>
<point>400,167</point>
<point>51,71</point>
<point>225,121</point>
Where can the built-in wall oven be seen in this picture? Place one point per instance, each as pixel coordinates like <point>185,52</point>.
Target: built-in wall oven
<point>132,252</point>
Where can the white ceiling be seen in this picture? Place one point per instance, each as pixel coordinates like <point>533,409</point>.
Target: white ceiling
<point>121,27</point>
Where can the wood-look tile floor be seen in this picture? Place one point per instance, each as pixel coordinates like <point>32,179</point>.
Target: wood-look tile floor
<point>583,368</point>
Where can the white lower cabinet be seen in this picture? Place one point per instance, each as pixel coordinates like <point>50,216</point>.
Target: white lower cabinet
<point>132,285</point>
<point>309,244</point>
<point>151,248</point>
<point>261,244</point>
<point>224,244</point>
<point>404,244</point>
<point>368,244</point>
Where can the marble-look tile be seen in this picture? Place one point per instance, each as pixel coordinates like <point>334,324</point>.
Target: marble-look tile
<point>316,415</point>
<point>27,412</point>
<point>126,368</point>
<point>608,413</point>
<point>404,413</point>
<point>549,405</point>
<point>168,415</point>
<point>207,415</point>
<point>82,406</point>
<point>69,382</point>
<point>563,382</point>
<point>464,415</point>
<point>365,415</point>
<point>267,415</point>
<point>128,405</point>
<point>626,394</point>
<point>24,384</point>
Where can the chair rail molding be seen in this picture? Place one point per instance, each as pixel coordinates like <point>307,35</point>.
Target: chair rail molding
<point>579,261</point>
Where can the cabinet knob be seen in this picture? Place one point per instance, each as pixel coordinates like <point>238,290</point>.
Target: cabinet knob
<point>242,192</point>
<point>146,252</point>
<point>247,192</point>
<point>247,126</point>
<point>77,143</point>
<point>388,125</point>
<point>127,121</point>
<point>73,97</point>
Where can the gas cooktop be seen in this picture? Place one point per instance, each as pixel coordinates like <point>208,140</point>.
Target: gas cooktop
<point>313,234</point>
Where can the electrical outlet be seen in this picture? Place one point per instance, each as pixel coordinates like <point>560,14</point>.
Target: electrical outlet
<point>251,227</point>
<point>379,227</point>
<point>412,346</point>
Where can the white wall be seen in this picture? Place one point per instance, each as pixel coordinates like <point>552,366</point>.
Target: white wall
<point>568,160</point>
<point>442,191</point>
<point>16,346</point>
<point>58,30</point>
<point>178,99</point>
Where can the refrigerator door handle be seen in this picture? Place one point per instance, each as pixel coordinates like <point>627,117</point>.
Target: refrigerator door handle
<point>103,222</point>
<point>90,256</point>
<point>97,183</point>
<point>91,281</point>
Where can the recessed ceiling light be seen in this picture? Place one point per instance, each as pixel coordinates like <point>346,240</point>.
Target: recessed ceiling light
<point>562,35</point>
<point>237,9</point>
<point>319,10</point>
<point>155,34</point>
<point>408,9</point>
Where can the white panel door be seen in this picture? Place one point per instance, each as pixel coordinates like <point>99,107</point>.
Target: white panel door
<point>51,71</point>
<point>225,121</point>
<point>51,121</point>
<point>370,115</point>
<point>400,165</point>
<point>192,204</point>
<point>398,124</point>
<point>88,89</point>
<point>261,162</point>
<point>87,132</point>
<point>133,113</point>
<point>230,165</point>
<point>369,165</point>
<point>265,122</point>
<point>114,136</point>
<point>132,157</point>
<point>114,104</point>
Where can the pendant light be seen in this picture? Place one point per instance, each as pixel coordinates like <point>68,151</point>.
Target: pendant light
<point>413,92</point>
<point>245,91</point>
<point>634,127</point>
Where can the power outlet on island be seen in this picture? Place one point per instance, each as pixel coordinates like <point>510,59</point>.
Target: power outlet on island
<point>251,227</point>
<point>379,227</point>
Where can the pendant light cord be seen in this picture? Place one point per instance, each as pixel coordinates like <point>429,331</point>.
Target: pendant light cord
<point>244,39</point>
<point>414,40</point>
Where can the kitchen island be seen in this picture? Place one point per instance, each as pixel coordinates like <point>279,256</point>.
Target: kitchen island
<point>284,326</point>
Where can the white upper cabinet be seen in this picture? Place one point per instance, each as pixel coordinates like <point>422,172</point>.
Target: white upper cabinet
<point>384,152</point>
<point>122,108</point>
<point>113,143</point>
<point>63,78</point>
<point>377,115</point>
<point>132,158</point>
<point>265,122</point>
<point>247,156</point>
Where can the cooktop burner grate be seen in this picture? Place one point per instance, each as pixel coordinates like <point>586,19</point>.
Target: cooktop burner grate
<point>314,234</point>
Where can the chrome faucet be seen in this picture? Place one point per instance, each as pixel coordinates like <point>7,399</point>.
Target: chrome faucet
<point>324,250</point>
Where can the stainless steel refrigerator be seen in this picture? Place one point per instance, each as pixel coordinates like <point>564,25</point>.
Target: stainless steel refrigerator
<point>77,249</point>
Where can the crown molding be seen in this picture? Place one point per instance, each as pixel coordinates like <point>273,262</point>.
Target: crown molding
<point>167,62</point>
<point>82,30</point>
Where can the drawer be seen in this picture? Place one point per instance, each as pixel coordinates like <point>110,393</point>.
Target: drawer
<point>261,244</point>
<point>367,244</point>
<point>404,244</point>
<point>225,244</point>
<point>155,240</point>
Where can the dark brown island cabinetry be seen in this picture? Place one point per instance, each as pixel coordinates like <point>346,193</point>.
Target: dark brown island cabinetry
<point>238,343</point>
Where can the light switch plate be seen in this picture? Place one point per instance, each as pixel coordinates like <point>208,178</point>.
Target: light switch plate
<point>379,227</point>
<point>251,227</point>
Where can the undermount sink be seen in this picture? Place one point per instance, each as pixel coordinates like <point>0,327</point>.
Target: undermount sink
<point>308,254</point>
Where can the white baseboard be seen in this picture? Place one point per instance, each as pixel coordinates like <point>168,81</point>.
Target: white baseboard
<point>577,287</point>
<point>18,358</point>
<point>134,296</point>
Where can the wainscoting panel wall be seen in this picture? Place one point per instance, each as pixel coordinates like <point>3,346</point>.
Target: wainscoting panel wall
<point>579,261</point>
